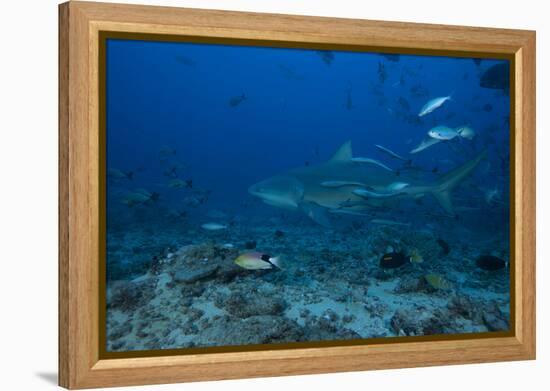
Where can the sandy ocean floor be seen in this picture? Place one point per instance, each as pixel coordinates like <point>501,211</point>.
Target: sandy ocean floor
<point>331,288</point>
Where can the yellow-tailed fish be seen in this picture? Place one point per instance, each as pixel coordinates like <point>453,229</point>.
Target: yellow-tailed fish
<point>257,261</point>
<point>438,282</point>
<point>416,257</point>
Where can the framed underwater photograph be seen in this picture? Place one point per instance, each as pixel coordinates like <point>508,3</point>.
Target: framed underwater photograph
<point>247,195</point>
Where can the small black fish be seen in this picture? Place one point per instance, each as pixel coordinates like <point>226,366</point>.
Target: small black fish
<point>189,183</point>
<point>185,61</point>
<point>497,77</point>
<point>404,103</point>
<point>491,263</point>
<point>488,107</point>
<point>445,248</point>
<point>382,75</point>
<point>279,234</point>
<point>349,102</point>
<point>391,56</point>
<point>154,196</point>
<point>393,260</point>
<point>326,55</point>
<point>477,61</point>
<point>237,100</point>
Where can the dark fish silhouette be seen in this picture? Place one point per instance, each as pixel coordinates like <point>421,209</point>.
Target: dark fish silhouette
<point>391,56</point>
<point>393,260</point>
<point>185,61</point>
<point>488,107</point>
<point>445,248</point>
<point>382,74</point>
<point>237,100</point>
<point>490,263</point>
<point>349,102</point>
<point>496,77</point>
<point>326,55</point>
<point>404,103</point>
<point>289,73</point>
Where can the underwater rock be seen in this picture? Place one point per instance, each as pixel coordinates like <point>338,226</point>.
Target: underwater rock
<point>495,319</point>
<point>465,307</point>
<point>404,322</point>
<point>192,290</point>
<point>130,295</point>
<point>330,315</point>
<point>206,251</point>
<point>323,329</point>
<point>410,323</point>
<point>436,324</point>
<point>348,318</point>
<point>410,284</point>
<point>227,272</point>
<point>190,276</point>
<point>376,308</point>
<point>247,305</point>
<point>494,323</point>
<point>120,331</point>
<point>253,330</point>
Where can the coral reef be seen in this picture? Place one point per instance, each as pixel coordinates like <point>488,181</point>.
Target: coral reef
<point>194,295</point>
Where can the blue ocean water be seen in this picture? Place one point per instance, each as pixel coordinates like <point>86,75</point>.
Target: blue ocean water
<point>191,127</point>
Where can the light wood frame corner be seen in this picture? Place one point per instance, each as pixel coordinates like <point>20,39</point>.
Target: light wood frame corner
<point>80,23</point>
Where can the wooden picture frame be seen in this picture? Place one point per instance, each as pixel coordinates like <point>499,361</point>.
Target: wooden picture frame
<point>81,364</point>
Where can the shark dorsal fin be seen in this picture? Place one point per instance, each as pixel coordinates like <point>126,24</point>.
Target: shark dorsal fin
<point>343,154</point>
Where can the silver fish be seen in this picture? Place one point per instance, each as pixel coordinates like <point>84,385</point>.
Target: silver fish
<point>433,104</point>
<point>371,161</point>
<point>391,153</point>
<point>442,132</point>
<point>213,226</point>
<point>426,143</point>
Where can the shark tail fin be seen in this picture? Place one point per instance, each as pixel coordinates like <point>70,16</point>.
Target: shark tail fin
<point>442,190</point>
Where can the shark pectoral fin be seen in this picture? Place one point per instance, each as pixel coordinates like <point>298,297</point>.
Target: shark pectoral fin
<point>446,183</point>
<point>316,213</point>
<point>444,199</point>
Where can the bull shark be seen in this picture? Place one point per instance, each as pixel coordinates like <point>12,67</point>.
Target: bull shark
<point>341,185</point>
